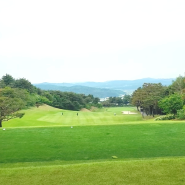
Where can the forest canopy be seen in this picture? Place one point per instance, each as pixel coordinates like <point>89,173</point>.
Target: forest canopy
<point>153,99</point>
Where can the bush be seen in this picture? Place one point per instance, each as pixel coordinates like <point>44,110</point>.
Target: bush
<point>165,117</point>
<point>181,114</point>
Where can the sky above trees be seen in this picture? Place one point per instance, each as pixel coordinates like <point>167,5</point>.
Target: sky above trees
<point>99,40</point>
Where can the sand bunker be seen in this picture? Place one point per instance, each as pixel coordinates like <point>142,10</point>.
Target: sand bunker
<point>128,112</point>
<point>85,110</point>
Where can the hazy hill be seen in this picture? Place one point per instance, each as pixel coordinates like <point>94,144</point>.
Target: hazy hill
<point>126,85</point>
<point>103,89</point>
<point>96,92</point>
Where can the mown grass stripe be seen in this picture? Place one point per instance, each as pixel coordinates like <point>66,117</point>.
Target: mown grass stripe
<point>161,171</point>
<point>92,142</point>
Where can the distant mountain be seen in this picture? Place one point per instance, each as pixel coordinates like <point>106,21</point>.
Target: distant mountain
<point>57,84</point>
<point>96,92</point>
<point>103,89</point>
<point>126,85</point>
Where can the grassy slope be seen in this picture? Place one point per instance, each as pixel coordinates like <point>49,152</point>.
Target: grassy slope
<point>48,116</point>
<point>39,155</point>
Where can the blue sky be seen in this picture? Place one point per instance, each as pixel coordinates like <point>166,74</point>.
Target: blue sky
<point>99,40</point>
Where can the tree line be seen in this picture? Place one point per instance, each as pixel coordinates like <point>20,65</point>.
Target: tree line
<point>117,101</point>
<point>152,98</point>
<point>17,94</point>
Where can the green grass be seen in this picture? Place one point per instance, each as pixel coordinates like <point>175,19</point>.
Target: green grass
<point>158,171</point>
<point>42,148</point>
<point>48,116</point>
<point>92,142</point>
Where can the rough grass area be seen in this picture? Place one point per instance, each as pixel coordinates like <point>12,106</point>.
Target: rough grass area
<point>159,171</point>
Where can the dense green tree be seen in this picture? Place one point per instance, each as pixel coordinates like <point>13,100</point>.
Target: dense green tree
<point>22,83</point>
<point>2,84</point>
<point>138,98</point>
<point>8,80</point>
<point>181,113</point>
<point>10,104</point>
<point>113,101</point>
<point>126,99</point>
<point>171,104</point>
<point>147,97</point>
<point>106,103</point>
<point>178,85</point>
<point>96,100</point>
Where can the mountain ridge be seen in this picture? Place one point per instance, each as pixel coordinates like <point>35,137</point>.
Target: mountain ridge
<point>103,89</point>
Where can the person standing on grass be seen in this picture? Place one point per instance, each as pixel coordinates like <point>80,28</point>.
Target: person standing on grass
<point>77,114</point>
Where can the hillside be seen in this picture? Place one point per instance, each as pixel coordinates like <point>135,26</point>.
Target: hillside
<point>103,89</point>
<point>126,85</point>
<point>96,92</point>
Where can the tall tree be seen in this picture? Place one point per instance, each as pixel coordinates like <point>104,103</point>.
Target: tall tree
<point>147,97</point>
<point>137,98</point>
<point>126,99</point>
<point>9,105</point>
<point>178,85</point>
<point>171,104</point>
<point>8,80</point>
<point>22,83</point>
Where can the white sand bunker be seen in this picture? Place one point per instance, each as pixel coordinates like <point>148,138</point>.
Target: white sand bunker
<point>128,112</point>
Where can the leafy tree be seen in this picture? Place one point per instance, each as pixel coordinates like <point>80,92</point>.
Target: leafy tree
<point>178,85</point>
<point>22,83</point>
<point>118,101</point>
<point>113,101</point>
<point>87,100</point>
<point>126,99</point>
<point>9,105</point>
<point>147,97</point>
<point>96,100</point>
<point>8,80</point>
<point>41,100</point>
<point>106,103</point>
<point>138,98</point>
<point>2,84</point>
<point>171,104</point>
<point>181,113</point>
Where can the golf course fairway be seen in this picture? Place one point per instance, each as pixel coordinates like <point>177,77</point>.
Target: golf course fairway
<point>104,146</point>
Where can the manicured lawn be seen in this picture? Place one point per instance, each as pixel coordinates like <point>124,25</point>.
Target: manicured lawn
<point>159,171</point>
<point>49,116</point>
<point>92,142</point>
<point>46,147</point>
